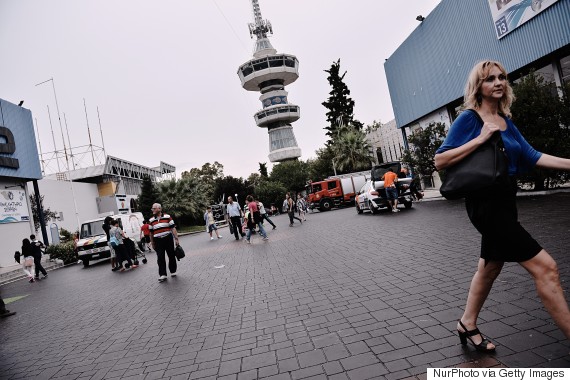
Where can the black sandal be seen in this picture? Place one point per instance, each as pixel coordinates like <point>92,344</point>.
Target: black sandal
<point>464,335</point>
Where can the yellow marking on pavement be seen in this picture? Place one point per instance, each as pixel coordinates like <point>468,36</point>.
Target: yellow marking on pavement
<point>14,299</point>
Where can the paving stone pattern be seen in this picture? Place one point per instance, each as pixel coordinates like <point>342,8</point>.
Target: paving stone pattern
<point>342,296</point>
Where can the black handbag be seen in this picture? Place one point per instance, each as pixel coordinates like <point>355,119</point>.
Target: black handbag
<point>482,174</point>
<point>179,252</point>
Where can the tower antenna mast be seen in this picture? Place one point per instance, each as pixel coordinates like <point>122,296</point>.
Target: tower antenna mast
<point>260,27</point>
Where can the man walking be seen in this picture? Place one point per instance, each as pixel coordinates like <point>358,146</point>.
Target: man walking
<point>37,251</point>
<point>264,214</point>
<point>235,213</point>
<point>163,238</point>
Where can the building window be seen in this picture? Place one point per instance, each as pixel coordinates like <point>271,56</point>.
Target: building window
<point>379,155</point>
<point>565,69</point>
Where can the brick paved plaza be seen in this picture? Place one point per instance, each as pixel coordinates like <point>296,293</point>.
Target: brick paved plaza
<point>343,296</point>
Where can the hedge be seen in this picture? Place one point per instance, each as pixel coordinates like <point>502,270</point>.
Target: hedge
<point>63,251</point>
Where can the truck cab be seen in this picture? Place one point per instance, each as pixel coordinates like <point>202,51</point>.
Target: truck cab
<point>92,244</point>
<point>335,191</point>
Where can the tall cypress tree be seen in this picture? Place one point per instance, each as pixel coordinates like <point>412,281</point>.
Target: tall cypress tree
<point>339,103</point>
<point>148,196</point>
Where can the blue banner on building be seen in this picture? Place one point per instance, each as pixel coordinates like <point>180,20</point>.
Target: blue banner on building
<point>510,14</point>
<point>18,150</point>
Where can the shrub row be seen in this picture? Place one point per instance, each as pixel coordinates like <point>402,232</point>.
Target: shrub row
<point>63,251</point>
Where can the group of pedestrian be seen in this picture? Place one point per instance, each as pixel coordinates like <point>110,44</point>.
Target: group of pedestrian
<point>118,247</point>
<point>253,217</point>
<point>32,255</point>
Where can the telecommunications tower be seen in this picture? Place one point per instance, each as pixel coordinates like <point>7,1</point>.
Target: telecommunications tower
<point>269,73</point>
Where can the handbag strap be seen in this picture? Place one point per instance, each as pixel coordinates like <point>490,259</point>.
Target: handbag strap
<point>496,137</point>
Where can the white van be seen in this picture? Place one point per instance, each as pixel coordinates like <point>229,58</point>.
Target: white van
<point>92,244</point>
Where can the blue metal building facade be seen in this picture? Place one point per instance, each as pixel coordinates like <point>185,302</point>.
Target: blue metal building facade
<point>429,69</point>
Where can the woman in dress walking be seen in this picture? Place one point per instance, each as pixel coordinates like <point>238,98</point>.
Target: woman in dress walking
<point>488,93</point>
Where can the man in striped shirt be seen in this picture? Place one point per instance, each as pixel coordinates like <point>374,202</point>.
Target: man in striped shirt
<point>163,237</point>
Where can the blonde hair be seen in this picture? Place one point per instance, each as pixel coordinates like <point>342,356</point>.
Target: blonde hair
<point>472,94</point>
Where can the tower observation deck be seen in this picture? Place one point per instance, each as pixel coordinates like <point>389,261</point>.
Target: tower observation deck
<point>269,73</point>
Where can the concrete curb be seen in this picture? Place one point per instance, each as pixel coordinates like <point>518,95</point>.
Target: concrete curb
<point>524,193</point>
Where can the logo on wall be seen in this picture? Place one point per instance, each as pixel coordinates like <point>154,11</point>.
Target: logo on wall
<point>510,14</point>
<point>13,206</point>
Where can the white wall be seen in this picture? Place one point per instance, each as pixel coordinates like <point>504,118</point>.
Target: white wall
<point>11,234</point>
<point>438,116</point>
<point>389,139</point>
<point>59,197</point>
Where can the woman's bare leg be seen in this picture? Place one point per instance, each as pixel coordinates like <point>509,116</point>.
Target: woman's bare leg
<point>481,285</point>
<point>544,271</point>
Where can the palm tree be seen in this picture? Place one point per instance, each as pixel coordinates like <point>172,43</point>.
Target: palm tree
<point>187,196</point>
<point>351,150</point>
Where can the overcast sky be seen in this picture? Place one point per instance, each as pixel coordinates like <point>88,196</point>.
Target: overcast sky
<point>164,73</point>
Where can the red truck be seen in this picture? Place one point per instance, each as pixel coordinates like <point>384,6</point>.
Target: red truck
<point>336,191</point>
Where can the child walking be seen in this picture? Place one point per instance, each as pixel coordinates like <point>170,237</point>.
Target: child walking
<point>211,223</point>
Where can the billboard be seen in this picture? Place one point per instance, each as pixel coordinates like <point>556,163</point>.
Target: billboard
<point>13,206</point>
<point>18,151</point>
<point>510,14</point>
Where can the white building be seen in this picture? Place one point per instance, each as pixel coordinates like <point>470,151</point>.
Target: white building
<point>387,142</point>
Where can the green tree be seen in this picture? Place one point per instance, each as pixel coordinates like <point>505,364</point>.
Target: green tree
<point>255,179</point>
<point>208,175</point>
<point>229,185</point>
<point>147,197</point>
<point>293,174</point>
<point>542,117</point>
<point>185,199</point>
<point>321,167</point>
<point>270,192</point>
<point>339,104</point>
<point>422,146</point>
<point>263,169</point>
<point>351,150</point>
<point>48,213</point>
<point>373,127</point>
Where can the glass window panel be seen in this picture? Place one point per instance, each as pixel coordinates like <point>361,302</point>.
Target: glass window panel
<point>565,69</point>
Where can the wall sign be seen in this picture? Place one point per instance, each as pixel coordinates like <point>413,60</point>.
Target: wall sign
<point>510,14</point>
<point>13,206</point>
<point>18,151</point>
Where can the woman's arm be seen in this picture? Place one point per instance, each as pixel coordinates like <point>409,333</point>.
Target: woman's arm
<point>453,156</point>
<point>547,161</point>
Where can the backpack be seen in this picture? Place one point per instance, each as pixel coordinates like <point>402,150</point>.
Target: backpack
<point>114,241</point>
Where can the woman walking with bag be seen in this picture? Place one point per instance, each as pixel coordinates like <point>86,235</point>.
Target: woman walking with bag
<point>494,215</point>
<point>28,255</point>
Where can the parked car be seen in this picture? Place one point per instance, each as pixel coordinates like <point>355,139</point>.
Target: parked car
<point>372,196</point>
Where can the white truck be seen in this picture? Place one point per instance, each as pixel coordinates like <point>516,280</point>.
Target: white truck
<point>92,243</point>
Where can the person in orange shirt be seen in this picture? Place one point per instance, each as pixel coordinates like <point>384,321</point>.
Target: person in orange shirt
<point>390,178</point>
<point>145,236</point>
